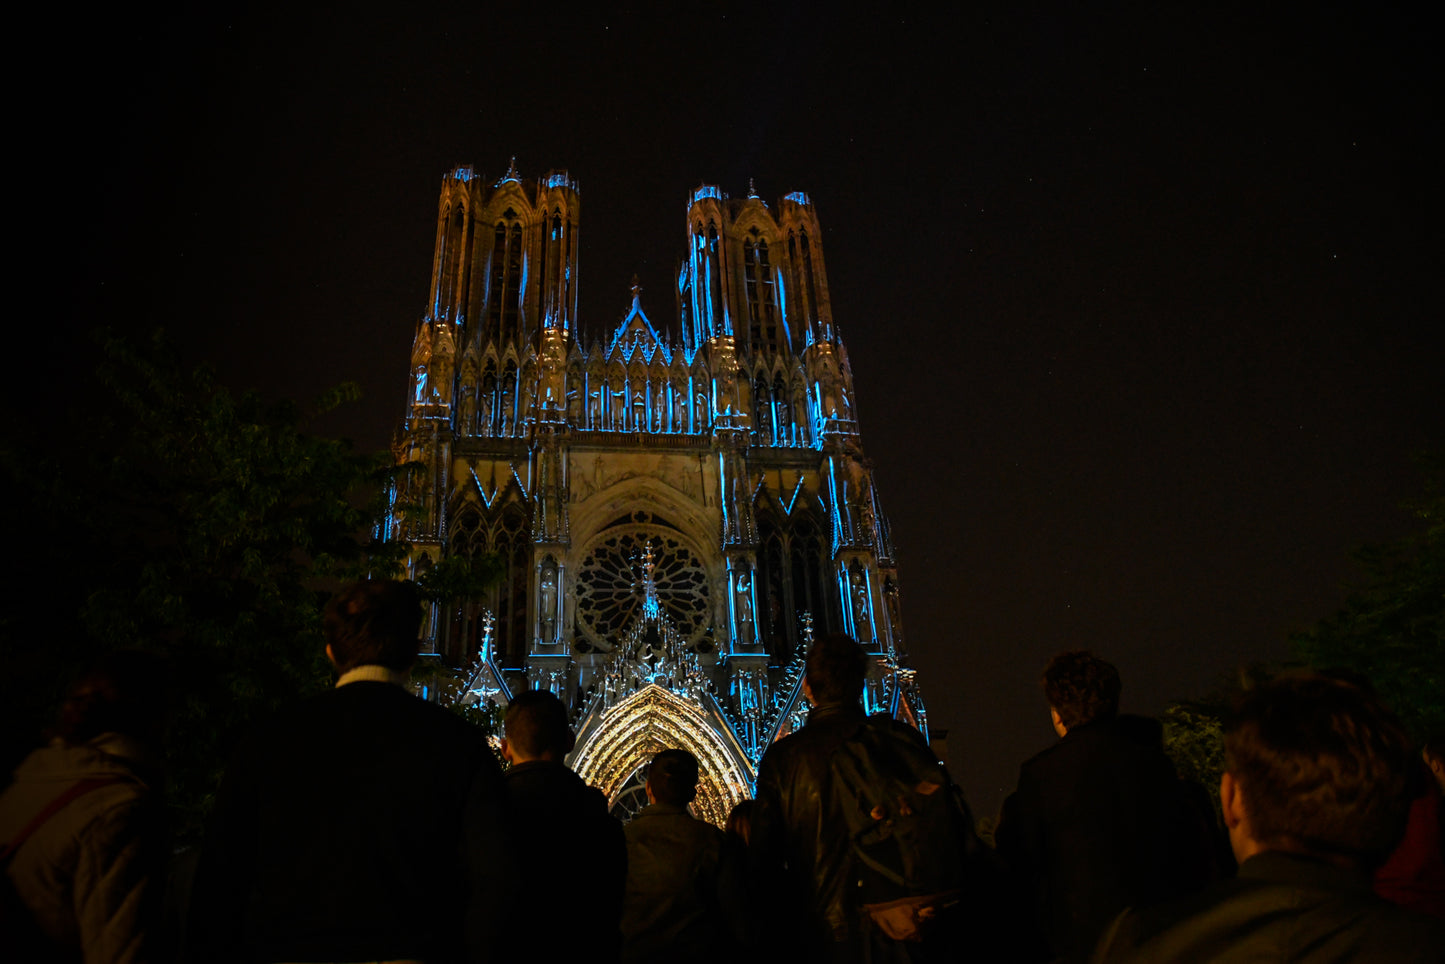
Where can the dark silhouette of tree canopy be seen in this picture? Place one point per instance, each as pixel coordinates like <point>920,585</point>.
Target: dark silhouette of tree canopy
<point>201,524</point>
<point>1391,630</point>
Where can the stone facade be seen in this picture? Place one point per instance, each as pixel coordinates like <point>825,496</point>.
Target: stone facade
<point>678,507</point>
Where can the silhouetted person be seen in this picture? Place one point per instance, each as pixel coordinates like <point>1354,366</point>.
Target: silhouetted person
<point>82,829</point>
<point>1099,821</point>
<point>740,822</point>
<point>559,821</point>
<point>680,893</point>
<point>1313,795</point>
<point>831,784</point>
<point>1413,876</point>
<point>363,825</point>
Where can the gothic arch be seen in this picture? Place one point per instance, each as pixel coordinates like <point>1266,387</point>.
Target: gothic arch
<point>627,736</point>
<point>755,217</point>
<point>594,514</point>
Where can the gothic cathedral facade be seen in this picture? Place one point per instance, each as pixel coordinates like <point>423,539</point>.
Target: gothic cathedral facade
<point>678,507</point>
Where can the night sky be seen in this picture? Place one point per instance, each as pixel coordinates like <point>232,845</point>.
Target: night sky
<point>1143,306</point>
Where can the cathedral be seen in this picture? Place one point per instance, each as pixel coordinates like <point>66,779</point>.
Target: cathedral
<point>679,505</point>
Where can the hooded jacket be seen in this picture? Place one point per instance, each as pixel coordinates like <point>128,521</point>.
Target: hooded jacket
<point>91,875</point>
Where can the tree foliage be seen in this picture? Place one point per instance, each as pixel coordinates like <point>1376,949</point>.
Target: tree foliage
<point>1391,630</point>
<point>1194,740</point>
<point>461,577</point>
<point>208,526</point>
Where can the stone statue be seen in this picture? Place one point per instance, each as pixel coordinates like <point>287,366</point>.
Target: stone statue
<point>860,610</point>
<point>548,604</point>
<point>743,606</point>
<point>467,411</point>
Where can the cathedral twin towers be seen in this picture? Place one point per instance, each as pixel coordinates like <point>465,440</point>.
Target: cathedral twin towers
<point>678,507</point>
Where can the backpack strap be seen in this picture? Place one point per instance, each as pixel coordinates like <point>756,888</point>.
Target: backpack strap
<point>76,790</point>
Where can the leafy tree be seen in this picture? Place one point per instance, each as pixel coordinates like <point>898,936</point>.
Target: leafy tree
<point>1391,630</point>
<point>207,526</point>
<point>1194,740</point>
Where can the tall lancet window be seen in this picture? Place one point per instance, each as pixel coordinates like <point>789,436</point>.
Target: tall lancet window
<point>510,310</point>
<point>714,282</point>
<point>552,267</point>
<point>762,295</point>
<point>452,261</point>
<point>497,276</point>
<point>808,279</point>
<point>506,280</point>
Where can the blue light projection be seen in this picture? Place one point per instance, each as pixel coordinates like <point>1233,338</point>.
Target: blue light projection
<point>512,395</point>
<point>705,190</point>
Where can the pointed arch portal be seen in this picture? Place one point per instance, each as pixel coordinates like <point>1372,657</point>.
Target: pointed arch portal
<point>628,735</point>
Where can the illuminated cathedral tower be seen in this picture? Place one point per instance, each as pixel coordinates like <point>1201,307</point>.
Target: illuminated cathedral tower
<point>679,507</point>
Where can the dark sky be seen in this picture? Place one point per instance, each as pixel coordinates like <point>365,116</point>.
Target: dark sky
<point>1142,303</point>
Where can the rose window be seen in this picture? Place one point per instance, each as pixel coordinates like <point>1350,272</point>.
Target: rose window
<point>609,584</point>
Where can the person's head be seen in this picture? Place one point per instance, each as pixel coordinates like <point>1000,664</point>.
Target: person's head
<point>835,670</point>
<point>122,692</point>
<point>1081,688</point>
<point>1314,766</point>
<point>740,821</point>
<point>672,777</point>
<point>536,728</point>
<point>373,623</point>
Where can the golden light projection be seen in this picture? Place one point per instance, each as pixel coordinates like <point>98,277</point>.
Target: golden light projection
<point>654,719</point>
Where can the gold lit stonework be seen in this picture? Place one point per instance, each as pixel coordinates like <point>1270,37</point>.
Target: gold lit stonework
<point>653,719</point>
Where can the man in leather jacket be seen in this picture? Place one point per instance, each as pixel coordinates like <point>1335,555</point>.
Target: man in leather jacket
<point>801,849</point>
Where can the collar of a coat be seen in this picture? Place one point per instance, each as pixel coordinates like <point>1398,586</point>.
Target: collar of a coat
<point>1280,867</point>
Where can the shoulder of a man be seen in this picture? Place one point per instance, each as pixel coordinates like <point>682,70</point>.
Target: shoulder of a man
<point>1278,918</point>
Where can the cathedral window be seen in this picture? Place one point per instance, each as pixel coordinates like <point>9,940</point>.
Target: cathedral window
<point>812,289</point>
<point>510,309</point>
<point>808,560</point>
<point>506,280</point>
<point>791,566</point>
<point>511,540</point>
<point>608,600</point>
<point>761,293</point>
<point>714,282</point>
<point>774,626</point>
<point>552,271</point>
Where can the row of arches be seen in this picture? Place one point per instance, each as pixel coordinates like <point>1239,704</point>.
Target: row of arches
<point>636,398</point>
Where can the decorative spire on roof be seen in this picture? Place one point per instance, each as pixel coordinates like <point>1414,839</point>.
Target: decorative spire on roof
<point>752,192</point>
<point>636,293</point>
<point>651,606</point>
<point>511,174</point>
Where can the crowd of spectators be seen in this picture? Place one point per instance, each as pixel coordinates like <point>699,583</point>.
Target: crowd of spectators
<point>370,825</point>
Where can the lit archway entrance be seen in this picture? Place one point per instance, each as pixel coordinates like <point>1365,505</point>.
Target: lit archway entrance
<point>626,737</point>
